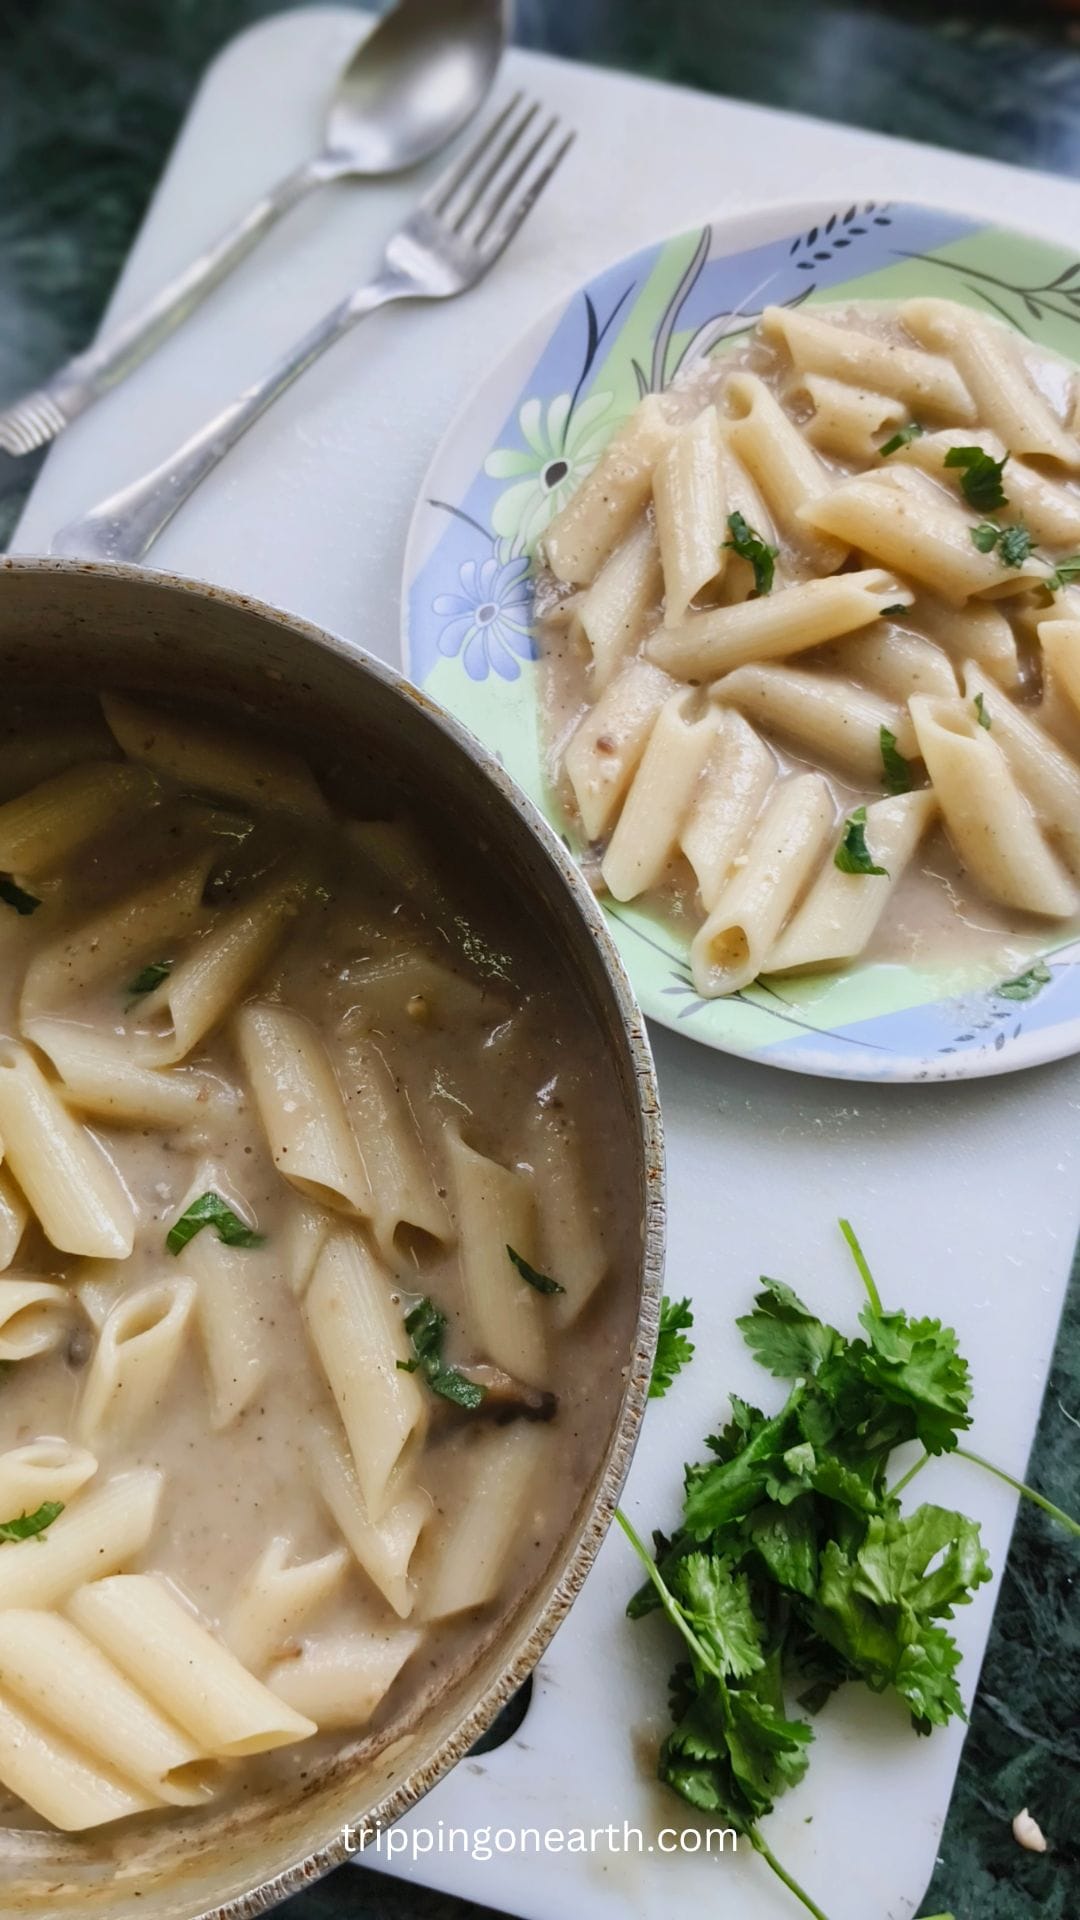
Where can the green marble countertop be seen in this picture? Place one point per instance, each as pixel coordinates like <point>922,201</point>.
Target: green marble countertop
<point>92,93</point>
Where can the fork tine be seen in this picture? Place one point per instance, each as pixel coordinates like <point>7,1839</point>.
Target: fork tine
<point>477,185</point>
<point>488,206</point>
<point>453,177</point>
<point>495,241</point>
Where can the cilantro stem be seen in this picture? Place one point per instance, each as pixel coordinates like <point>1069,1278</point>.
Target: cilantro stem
<point>1027,1493</point>
<point>860,1260</point>
<point>668,1601</point>
<point>761,1846</point>
<point>908,1477</point>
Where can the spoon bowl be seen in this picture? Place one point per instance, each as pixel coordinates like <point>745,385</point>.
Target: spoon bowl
<point>413,84</point>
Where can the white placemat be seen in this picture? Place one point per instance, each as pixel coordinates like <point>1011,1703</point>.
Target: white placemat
<point>968,1198</point>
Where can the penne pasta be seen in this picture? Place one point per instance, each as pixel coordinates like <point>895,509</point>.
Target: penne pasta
<point>277,1599</point>
<point>468,1560</point>
<point>66,1177</point>
<point>785,467</point>
<point>572,1247</point>
<point>105,1530</point>
<point>895,662</point>
<point>1046,774</point>
<point>902,520</point>
<point>987,818</point>
<point>977,631</point>
<point>404,1205</point>
<point>1046,509</point>
<point>301,1108</point>
<point>782,853</point>
<point>99,1077</point>
<point>42,1470</point>
<point>495,1209</point>
<point>613,612</point>
<point>229,1285</point>
<point>41,829</point>
<point>14,1215</point>
<point>730,795</point>
<point>148,924</point>
<point>144,1628</point>
<point>646,837</point>
<point>305,1235</point>
<point>207,983</point>
<point>339,1680</point>
<point>56,1777</point>
<point>358,1333</point>
<point>599,514</point>
<point>383,1549</point>
<point>825,718</point>
<point>776,625</point>
<point>927,383</point>
<point>137,1352</point>
<point>988,359</point>
<point>214,760</point>
<point>35,1316</point>
<point>690,505</point>
<point>606,747</point>
<point>51,1669</point>
<point>850,422</point>
<point>841,911</point>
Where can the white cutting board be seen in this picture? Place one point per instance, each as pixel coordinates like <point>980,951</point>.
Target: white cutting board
<point>967,1197</point>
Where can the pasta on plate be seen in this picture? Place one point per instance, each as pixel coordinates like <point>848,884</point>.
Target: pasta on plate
<point>810,642</point>
<point>305,1271</point>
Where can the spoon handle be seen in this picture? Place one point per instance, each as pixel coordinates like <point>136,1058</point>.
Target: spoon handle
<point>125,525</point>
<point>39,416</point>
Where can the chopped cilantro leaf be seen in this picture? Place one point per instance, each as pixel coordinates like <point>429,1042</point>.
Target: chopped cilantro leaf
<point>896,771</point>
<point>853,855</point>
<point>980,477</point>
<point>1064,574</point>
<point>426,1328</point>
<point>150,977</point>
<point>210,1210</point>
<point>981,714</point>
<point>985,536</point>
<point>30,1524</point>
<point>540,1281</point>
<point>1014,546</point>
<point>902,439</point>
<point>751,547</point>
<point>673,1350</point>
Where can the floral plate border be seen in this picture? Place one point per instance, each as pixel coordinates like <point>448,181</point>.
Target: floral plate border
<point>532,430</point>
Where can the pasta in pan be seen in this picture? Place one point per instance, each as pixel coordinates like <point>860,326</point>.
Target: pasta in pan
<point>812,688</point>
<point>304,1267</point>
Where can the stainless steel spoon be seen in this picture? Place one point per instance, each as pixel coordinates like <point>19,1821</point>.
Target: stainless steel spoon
<point>412,84</point>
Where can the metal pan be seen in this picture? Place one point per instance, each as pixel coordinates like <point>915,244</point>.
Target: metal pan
<point>67,624</point>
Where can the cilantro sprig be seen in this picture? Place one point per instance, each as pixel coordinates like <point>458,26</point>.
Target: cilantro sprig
<point>426,1328</point>
<point>750,546</point>
<point>210,1210</point>
<point>980,477</point>
<point>673,1350</point>
<point>1013,544</point>
<point>28,1525</point>
<point>794,1569</point>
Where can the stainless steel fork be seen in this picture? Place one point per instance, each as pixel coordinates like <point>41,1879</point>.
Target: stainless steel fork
<point>457,231</point>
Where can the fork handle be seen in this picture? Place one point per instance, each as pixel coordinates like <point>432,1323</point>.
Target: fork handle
<point>125,525</point>
<point>77,385</point>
